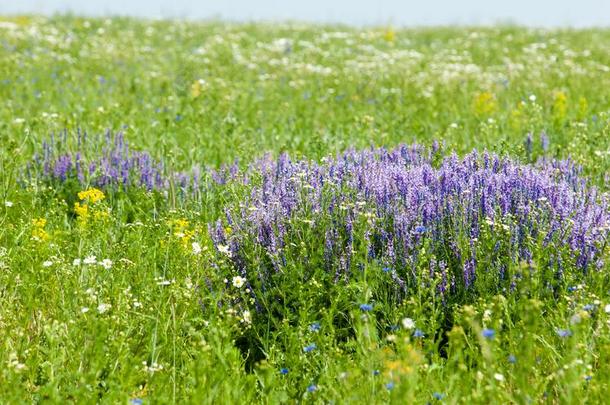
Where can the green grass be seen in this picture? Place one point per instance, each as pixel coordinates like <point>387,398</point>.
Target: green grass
<point>210,93</point>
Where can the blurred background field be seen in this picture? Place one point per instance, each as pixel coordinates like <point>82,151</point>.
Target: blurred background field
<point>210,93</point>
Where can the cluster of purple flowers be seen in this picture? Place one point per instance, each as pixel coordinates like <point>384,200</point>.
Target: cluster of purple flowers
<point>105,162</point>
<point>409,211</point>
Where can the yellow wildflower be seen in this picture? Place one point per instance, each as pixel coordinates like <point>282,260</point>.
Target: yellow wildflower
<point>485,104</point>
<point>196,88</point>
<point>92,195</point>
<point>389,35</point>
<point>560,106</point>
<point>38,231</point>
<point>82,211</point>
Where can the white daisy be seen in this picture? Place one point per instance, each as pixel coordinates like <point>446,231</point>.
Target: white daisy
<point>238,281</point>
<point>106,263</point>
<point>90,260</point>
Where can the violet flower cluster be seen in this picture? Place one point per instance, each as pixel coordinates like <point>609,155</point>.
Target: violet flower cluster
<point>105,162</point>
<point>461,220</point>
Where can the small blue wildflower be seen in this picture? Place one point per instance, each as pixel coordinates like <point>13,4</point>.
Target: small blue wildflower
<point>366,307</point>
<point>420,229</point>
<point>314,327</point>
<point>572,289</point>
<point>376,372</point>
<point>310,348</point>
<point>563,333</point>
<point>283,371</point>
<point>136,401</point>
<point>386,269</point>
<point>489,333</point>
<point>389,386</point>
<point>418,333</point>
<point>588,378</point>
<point>438,395</point>
<point>589,307</point>
<point>312,388</point>
<point>512,359</point>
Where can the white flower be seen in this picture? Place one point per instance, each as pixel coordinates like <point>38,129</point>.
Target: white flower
<point>47,263</point>
<point>90,260</point>
<point>224,249</point>
<point>408,323</point>
<point>246,317</point>
<point>84,310</point>
<point>532,98</point>
<point>106,263</point>
<point>76,262</point>
<point>238,281</point>
<point>499,377</point>
<point>19,120</point>
<point>196,248</point>
<point>8,204</point>
<point>607,309</point>
<point>103,308</point>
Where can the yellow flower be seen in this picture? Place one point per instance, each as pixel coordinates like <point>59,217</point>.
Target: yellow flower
<point>38,231</point>
<point>39,222</point>
<point>560,106</point>
<point>485,104</point>
<point>389,35</point>
<point>92,195</point>
<point>82,211</point>
<point>196,88</point>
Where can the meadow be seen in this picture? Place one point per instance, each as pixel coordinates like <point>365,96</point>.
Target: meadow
<point>205,212</point>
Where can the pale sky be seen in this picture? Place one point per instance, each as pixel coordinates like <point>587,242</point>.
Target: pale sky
<point>547,13</point>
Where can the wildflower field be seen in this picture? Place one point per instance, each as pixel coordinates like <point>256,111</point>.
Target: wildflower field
<point>284,213</point>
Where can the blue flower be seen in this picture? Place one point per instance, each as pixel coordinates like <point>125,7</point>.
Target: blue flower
<point>376,372</point>
<point>283,371</point>
<point>386,269</point>
<point>589,307</point>
<point>366,307</point>
<point>572,289</point>
<point>314,327</point>
<point>420,229</point>
<point>310,348</point>
<point>418,333</point>
<point>563,333</point>
<point>136,401</point>
<point>489,333</point>
<point>512,359</point>
<point>389,386</point>
<point>438,395</point>
<point>588,378</point>
<point>312,388</point>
